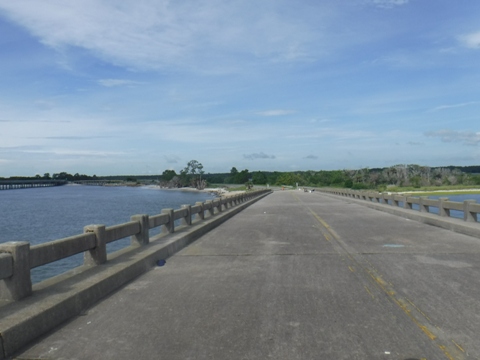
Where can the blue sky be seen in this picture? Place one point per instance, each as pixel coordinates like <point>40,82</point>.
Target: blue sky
<point>140,86</point>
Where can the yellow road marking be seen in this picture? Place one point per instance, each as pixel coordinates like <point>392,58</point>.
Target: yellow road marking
<point>387,288</point>
<point>420,311</point>
<point>458,346</point>
<point>368,291</point>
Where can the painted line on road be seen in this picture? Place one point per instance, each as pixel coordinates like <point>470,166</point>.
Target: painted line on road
<point>407,306</point>
<point>368,291</point>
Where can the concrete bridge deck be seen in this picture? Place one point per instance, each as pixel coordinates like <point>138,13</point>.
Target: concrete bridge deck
<point>294,276</point>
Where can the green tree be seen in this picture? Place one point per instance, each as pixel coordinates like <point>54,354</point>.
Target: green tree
<point>242,177</point>
<point>288,178</point>
<point>193,174</point>
<point>259,178</point>
<point>168,175</point>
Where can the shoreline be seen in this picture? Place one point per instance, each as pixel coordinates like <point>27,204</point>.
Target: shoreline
<point>452,192</point>
<point>214,191</point>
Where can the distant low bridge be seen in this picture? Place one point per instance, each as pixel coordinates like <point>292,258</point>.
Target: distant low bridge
<point>25,184</point>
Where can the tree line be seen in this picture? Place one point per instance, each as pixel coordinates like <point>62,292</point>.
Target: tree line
<point>377,178</point>
<point>55,176</point>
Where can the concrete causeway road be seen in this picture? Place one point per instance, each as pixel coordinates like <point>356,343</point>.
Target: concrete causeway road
<point>294,276</point>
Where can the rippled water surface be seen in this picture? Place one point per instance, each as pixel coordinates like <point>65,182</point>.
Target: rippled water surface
<point>43,214</point>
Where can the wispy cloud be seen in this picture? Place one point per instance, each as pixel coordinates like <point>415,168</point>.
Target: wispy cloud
<point>44,104</point>
<point>471,41</point>
<point>118,82</point>
<point>155,34</point>
<point>256,156</point>
<point>172,159</point>
<point>69,152</point>
<point>414,143</point>
<point>465,137</point>
<point>388,3</point>
<point>311,157</point>
<point>444,107</point>
<point>75,138</point>
<point>278,112</point>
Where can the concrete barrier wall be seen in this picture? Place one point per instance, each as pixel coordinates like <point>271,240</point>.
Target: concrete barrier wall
<point>470,208</point>
<point>15,281</point>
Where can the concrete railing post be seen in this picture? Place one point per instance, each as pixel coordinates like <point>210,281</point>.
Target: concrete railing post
<point>211,209</point>
<point>423,207</point>
<point>442,210</point>
<point>406,204</point>
<point>467,214</point>
<point>394,201</point>
<point>219,207</point>
<point>223,204</point>
<point>97,255</point>
<point>201,214</point>
<point>187,219</point>
<point>19,285</point>
<point>170,226</point>
<point>385,199</point>
<point>143,237</point>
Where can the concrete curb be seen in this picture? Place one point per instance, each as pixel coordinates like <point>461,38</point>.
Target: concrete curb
<point>453,224</point>
<point>57,300</point>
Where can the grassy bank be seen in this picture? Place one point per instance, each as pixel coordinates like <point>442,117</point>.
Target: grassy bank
<point>436,190</point>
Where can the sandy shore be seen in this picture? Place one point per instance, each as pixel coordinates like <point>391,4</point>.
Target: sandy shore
<point>215,191</point>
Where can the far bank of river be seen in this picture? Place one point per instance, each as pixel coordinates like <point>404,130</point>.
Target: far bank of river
<point>441,192</point>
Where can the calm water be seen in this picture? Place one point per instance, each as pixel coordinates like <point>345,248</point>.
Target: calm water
<point>457,198</point>
<point>45,214</point>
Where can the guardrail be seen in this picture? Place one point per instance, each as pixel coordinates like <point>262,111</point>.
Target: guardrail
<point>18,258</point>
<point>470,208</point>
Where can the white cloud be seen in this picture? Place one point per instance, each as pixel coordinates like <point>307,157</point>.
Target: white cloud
<point>44,104</point>
<point>69,152</point>
<point>465,137</point>
<point>471,41</point>
<point>154,34</point>
<point>260,155</point>
<point>388,3</point>
<point>275,112</point>
<point>415,143</point>
<point>117,82</point>
<point>172,159</point>
<point>444,107</point>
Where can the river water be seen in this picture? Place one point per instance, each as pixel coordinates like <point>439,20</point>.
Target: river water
<point>457,198</point>
<point>44,214</point>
